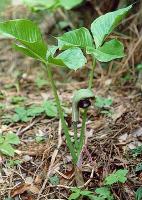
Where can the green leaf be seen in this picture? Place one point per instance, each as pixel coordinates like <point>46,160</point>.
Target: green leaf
<point>1,139</point>
<point>28,35</point>
<point>118,176</point>
<point>2,106</point>
<point>77,38</point>
<point>54,180</point>
<point>85,192</point>
<point>12,138</point>
<point>109,51</point>
<point>7,149</point>
<point>72,58</point>
<point>40,82</point>
<point>139,67</point>
<point>35,50</point>
<point>17,99</point>
<point>105,24</point>
<point>138,194</point>
<point>34,111</point>
<point>101,102</point>
<point>75,195</point>
<point>94,197</point>
<point>21,115</point>
<point>137,151</point>
<point>51,51</point>
<point>40,4</point>
<point>69,4</point>
<point>138,167</point>
<point>104,193</point>
<point>50,109</point>
<point>21,29</point>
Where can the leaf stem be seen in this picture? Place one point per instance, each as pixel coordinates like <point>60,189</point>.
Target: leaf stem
<point>61,114</point>
<point>92,73</point>
<point>82,134</point>
<point>75,134</point>
<point>84,117</point>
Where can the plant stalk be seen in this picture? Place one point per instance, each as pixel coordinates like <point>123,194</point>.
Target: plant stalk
<point>75,135</point>
<point>84,117</point>
<point>61,114</point>
<point>92,73</point>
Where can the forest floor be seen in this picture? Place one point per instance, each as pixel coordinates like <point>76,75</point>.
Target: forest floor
<point>41,167</point>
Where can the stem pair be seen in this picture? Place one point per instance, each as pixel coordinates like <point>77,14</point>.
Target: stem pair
<point>70,145</point>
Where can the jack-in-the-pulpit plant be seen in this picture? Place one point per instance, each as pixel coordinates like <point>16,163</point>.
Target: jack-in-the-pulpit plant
<point>74,46</point>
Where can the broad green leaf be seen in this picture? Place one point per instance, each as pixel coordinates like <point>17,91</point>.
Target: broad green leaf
<point>21,29</point>
<point>50,109</point>
<point>35,50</point>
<point>138,194</point>
<point>69,4</point>
<point>72,58</point>
<point>109,51</point>
<point>118,176</point>
<point>12,138</point>
<point>28,35</point>
<point>105,24</point>
<point>77,38</point>
<point>7,149</point>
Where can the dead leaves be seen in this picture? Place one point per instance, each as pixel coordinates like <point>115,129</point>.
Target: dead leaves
<point>24,187</point>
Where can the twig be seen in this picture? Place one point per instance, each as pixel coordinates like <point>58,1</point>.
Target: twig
<point>52,160</point>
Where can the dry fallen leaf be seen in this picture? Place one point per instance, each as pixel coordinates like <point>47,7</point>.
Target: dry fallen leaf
<point>118,112</point>
<point>19,189</point>
<point>24,187</point>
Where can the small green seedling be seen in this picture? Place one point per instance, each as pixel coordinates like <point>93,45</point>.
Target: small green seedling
<point>139,67</point>
<point>54,180</point>
<point>6,143</point>
<point>40,82</point>
<point>118,176</point>
<point>73,48</point>
<point>101,102</point>
<point>11,163</point>
<point>26,114</point>
<point>2,106</point>
<point>103,105</point>
<point>137,151</point>
<point>102,193</point>
<point>138,167</point>
<point>17,99</point>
